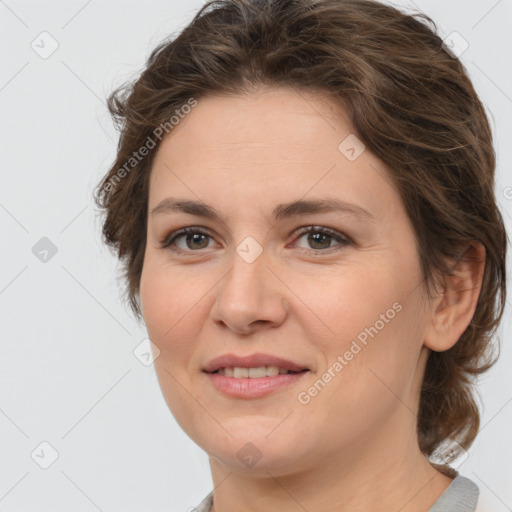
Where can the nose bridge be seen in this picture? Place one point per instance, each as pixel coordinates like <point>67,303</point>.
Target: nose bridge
<point>249,293</point>
<point>248,276</point>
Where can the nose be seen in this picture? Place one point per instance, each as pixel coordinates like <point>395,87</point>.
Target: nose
<point>250,297</point>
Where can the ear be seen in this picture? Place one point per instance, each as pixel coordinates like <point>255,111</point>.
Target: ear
<point>452,310</point>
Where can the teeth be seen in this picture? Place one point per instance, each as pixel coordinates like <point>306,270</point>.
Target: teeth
<point>257,373</point>
<point>252,373</point>
<point>240,373</point>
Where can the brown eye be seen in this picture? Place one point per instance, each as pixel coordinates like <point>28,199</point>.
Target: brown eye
<point>320,239</point>
<point>194,240</point>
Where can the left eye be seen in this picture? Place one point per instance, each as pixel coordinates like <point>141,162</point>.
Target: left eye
<point>197,239</point>
<point>319,235</point>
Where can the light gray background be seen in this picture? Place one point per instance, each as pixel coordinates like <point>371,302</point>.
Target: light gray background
<point>68,374</point>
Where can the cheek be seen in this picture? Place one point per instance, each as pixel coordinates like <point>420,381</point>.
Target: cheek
<point>356,296</point>
<point>375,328</point>
<point>169,302</point>
<point>167,305</point>
<point>369,369</point>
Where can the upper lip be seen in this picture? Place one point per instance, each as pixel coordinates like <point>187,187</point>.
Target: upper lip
<point>252,361</point>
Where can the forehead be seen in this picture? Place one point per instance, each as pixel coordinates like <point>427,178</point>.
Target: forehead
<point>288,115</point>
<point>276,145</point>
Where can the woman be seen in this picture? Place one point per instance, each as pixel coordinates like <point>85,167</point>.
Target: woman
<point>303,201</point>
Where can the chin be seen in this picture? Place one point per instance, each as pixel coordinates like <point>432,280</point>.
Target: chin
<point>257,450</point>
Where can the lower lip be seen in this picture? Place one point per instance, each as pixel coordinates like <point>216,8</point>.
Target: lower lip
<point>253,388</point>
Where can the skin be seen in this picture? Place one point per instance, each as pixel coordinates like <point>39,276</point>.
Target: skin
<point>354,445</point>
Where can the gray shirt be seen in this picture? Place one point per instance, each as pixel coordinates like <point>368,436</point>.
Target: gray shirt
<point>460,496</point>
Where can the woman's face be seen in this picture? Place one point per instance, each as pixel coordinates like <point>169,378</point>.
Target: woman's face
<point>343,301</point>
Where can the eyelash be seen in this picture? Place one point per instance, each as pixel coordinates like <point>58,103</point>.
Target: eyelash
<point>342,240</point>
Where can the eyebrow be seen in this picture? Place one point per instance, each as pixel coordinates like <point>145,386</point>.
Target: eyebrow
<point>280,212</point>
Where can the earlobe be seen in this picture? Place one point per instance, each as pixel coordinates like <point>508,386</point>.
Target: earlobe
<point>453,308</point>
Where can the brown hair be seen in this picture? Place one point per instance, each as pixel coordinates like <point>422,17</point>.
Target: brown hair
<point>410,101</point>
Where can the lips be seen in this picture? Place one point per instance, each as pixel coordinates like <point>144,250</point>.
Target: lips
<point>252,361</point>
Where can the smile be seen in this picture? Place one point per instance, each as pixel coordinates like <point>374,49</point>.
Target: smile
<point>258,372</point>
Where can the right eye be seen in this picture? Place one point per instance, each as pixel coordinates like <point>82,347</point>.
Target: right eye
<point>194,239</point>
